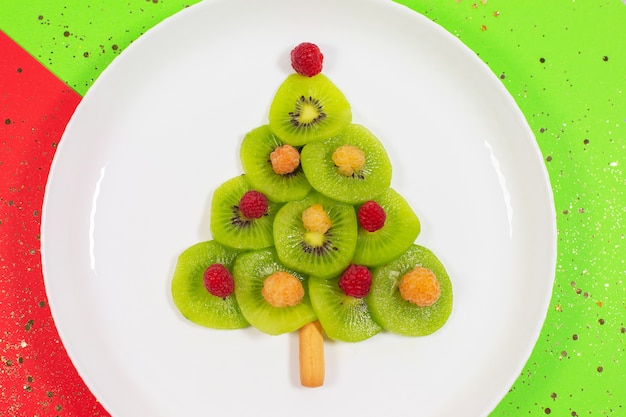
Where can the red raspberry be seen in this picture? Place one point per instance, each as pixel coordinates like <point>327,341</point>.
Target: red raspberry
<point>253,204</point>
<point>356,281</point>
<point>218,281</point>
<point>306,59</point>
<point>371,216</point>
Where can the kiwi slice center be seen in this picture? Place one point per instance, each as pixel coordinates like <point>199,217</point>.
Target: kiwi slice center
<point>317,225</point>
<point>314,239</point>
<point>319,244</point>
<point>308,112</point>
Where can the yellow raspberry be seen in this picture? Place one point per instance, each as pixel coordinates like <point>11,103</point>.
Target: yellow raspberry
<point>281,289</point>
<point>348,159</point>
<point>315,219</point>
<point>285,159</point>
<point>420,287</point>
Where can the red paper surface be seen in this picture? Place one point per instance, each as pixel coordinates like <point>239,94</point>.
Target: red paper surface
<point>36,375</point>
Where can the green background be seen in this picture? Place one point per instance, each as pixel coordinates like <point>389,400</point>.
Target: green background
<point>564,62</point>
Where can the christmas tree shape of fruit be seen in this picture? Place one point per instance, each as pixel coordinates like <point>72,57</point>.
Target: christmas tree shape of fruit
<point>311,237</point>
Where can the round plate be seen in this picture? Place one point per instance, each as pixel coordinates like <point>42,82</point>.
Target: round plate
<point>132,181</point>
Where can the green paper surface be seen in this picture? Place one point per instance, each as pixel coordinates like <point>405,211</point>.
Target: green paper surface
<point>564,62</point>
<point>76,40</point>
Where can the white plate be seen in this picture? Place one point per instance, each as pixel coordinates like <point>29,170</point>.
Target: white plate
<point>132,181</point>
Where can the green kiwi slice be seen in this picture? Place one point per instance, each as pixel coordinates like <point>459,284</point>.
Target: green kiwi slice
<point>324,258</point>
<point>250,271</point>
<point>343,317</point>
<point>229,227</point>
<point>255,152</point>
<point>368,182</point>
<point>191,297</point>
<point>401,228</point>
<point>308,109</point>
<point>395,314</point>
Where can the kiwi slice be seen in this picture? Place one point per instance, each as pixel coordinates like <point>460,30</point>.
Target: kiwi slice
<point>394,313</point>
<point>308,109</point>
<point>343,317</point>
<point>230,228</point>
<point>401,228</point>
<point>367,181</point>
<point>256,150</point>
<point>250,272</point>
<point>192,298</point>
<point>323,254</point>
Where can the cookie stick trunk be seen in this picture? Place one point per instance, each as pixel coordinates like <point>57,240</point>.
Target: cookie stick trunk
<point>311,345</point>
